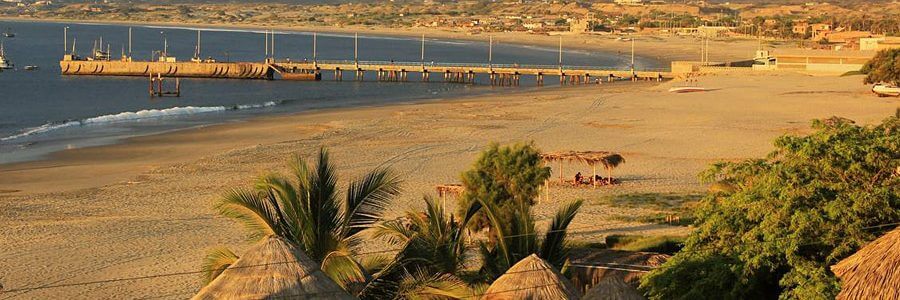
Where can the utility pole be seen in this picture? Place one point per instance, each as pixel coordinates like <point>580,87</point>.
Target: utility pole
<point>129,42</point>
<point>66,40</point>
<point>266,34</point>
<point>356,48</point>
<point>423,50</point>
<point>314,48</point>
<point>560,52</point>
<point>632,55</point>
<point>273,45</point>
<point>491,51</point>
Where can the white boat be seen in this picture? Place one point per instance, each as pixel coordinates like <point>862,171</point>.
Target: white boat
<point>31,68</point>
<point>687,89</point>
<point>884,90</point>
<point>5,63</point>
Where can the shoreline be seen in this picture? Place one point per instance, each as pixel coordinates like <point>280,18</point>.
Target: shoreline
<point>663,50</point>
<point>75,157</point>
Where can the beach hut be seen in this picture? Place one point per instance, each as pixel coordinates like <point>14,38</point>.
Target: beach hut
<point>616,275</point>
<point>531,278</point>
<point>611,288</point>
<point>273,269</point>
<point>608,160</point>
<point>873,272</point>
<point>453,189</point>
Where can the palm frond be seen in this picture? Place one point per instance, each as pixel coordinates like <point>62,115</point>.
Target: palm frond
<point>554,248</point>
<point>368,198</point>
<point>341,267</point>
<point>394,231</point>
<point>324,228</point>
<point>216,261</point>
<point>420,285</point>
<point>251,210</point>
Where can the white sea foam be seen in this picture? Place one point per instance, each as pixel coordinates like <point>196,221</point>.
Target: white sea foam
<point>134,116</point>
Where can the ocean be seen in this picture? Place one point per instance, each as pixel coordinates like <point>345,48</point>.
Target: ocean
<point>42,111</point>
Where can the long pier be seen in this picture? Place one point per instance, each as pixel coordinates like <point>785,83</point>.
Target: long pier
<point>497,74</point>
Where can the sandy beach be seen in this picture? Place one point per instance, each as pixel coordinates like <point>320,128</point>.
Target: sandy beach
<point>660,48</point>
<point>143,207</point>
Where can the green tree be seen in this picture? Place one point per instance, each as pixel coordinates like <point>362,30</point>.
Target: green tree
<point>786,218</point>
<point>884,67</point>
<point>499,192</point>
<point>305,208</point>
<point>503,176</point>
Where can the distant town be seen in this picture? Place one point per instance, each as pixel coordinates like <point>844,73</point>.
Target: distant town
<point>848,25</point>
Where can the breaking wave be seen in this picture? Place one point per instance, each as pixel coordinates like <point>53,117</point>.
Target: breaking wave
<point>134,116</point>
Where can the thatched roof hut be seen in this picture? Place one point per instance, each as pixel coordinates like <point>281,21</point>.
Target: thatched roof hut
<point>452,189</point>
<point>620,273</point>
<point>274,268</point>
<point>531,278</point>
<point>873,272</point>
<point>608,160</point>
<point>611,288</point>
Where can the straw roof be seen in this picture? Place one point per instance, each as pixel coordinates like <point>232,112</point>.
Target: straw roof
<point>273,268</point>
<point>605,158</point>
<point>873,272</point>
<point>611,288</point>
<point>449,189</point>
<point>618,282</point>
<point>532,278</point>
<point>634,265</point>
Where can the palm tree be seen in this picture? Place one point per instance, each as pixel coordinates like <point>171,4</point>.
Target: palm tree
<point>432,252</point>
<point>309,212</point>
<point>510,243</point>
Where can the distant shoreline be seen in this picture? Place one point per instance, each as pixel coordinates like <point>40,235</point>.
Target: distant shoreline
<point>662,50</point>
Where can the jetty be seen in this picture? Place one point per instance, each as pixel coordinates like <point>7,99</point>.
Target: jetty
<point>100,64</point>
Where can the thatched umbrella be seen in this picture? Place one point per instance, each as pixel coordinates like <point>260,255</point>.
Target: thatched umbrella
<point>611,288</point>
<point>620,276</point>
<point>873,272</point>
<point>449,189</point>
<point>273,268</point>
<point>606,159</point>
<point>532,278</point>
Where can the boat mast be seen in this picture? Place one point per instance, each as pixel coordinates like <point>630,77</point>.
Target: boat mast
<point>129,41</point>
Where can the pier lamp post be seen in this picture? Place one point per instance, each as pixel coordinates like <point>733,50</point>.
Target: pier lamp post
<point>66,40</point>
<point>165,52</point>
<point>491,52</point>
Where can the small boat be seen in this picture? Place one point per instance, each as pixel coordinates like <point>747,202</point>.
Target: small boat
<point>687,89</point>
<point>31,68</point>
<point>5,63</point>
<point>884,90</point>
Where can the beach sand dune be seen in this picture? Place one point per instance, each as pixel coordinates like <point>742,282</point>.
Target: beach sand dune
<point>144,207</point>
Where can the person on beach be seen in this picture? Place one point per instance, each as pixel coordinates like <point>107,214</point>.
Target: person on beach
<point>578,178</point>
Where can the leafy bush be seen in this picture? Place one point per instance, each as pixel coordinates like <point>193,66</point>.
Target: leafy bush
<point>884,67</point>
<point>813,201</point>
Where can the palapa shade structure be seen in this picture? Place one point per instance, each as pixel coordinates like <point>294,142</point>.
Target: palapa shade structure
<point>612,289</point>
<point>873,272</point>
<point>608,160</point>
<point>453,189</point>
<point>531,278</point>
<point>274,268</point>
<point>619,279</point>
